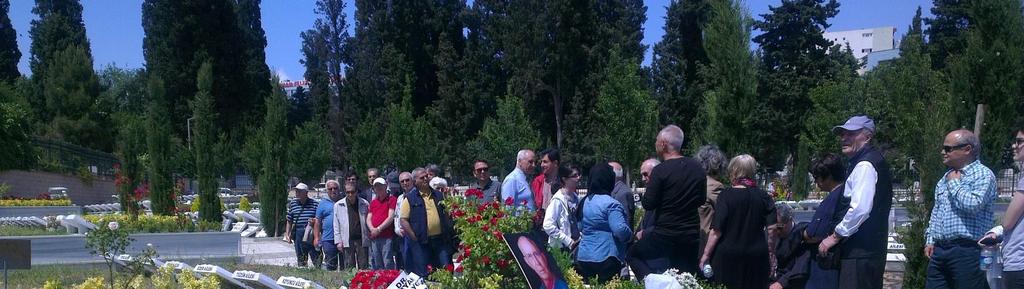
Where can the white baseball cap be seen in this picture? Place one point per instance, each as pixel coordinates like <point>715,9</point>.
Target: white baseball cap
<point>302,186</point>
<point>379,181</point>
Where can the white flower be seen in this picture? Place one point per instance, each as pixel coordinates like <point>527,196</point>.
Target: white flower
<point>112,226</point>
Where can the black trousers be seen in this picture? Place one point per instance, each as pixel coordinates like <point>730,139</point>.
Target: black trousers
<point>861,273</point>
<point>655,254</point>
<point>604,271</point>
<point>1013,279</point>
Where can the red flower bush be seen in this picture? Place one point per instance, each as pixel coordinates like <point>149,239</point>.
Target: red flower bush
<point>480,226</point>
<point>379,279</point>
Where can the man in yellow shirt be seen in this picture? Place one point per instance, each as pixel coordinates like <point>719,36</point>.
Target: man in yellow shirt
<point>426,226</point>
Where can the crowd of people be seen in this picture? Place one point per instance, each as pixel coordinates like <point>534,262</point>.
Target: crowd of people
<point>705,214</point>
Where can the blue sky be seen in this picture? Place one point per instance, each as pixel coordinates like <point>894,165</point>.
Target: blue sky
<point>115,31</point>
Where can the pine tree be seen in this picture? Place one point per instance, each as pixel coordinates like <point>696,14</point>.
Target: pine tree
<point>677,58</point>
<point>990,74</point>
<point>727,114</point>
<point>273,179</point>
<point>204,142</point>
<point>58,27</point>
<point>158,140</point>
<point>71,88</point>
<point>505,134</point>
<point>309,152</point>
<point>9,52</point>
<point>324,48</point>
<point>300,110</point>
<point>625,113</point>
<point>794,60</point>
<point>946,30</point>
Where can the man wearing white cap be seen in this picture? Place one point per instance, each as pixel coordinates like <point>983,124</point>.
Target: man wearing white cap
<point>862,233</point>
<point>297,230</point>
<point>380,225</point>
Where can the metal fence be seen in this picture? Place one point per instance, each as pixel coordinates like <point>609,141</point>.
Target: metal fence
<point>66,157</point>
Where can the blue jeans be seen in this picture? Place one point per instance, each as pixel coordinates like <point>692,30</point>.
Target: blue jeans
<point>435,253</point>
<point>304,250</point>
<point>956,265</point>
<point>332,256</point>
<point>381,256</point>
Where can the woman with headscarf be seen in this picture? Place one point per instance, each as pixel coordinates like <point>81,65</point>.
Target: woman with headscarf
<point>737,248</point>
<point>603,227</point>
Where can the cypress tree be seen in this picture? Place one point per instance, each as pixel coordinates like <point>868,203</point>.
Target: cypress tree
<point>204,142</point>
<point>158,140</point>
<point>9,52</point>
<point>273,179</point>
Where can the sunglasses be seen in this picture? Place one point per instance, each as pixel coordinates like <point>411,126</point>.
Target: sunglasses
<point>949,149</point>
<point>1018,141</point>
<point>332,189</point>
<point>483,169</point>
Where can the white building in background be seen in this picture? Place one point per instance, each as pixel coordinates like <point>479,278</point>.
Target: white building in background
<point>289,86</point>
<point>863,42</point>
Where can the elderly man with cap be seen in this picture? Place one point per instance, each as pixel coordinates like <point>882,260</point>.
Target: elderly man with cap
<point>962,214</point>
<point>297,230</point>
<point>380,224</point>
<point>863,231</point>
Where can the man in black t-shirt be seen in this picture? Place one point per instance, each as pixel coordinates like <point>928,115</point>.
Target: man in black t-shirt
<point>676,190</point>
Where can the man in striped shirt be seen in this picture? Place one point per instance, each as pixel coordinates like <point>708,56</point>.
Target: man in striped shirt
<point>962,214</point>
<point>300,211</point>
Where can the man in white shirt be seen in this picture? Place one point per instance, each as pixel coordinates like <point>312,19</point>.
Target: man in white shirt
<point>862,234</point>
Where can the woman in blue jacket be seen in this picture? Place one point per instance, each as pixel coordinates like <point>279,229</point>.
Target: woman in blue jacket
<point>603,227</point>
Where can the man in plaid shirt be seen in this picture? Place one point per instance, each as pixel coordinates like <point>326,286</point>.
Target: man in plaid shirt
<point>962,214</point>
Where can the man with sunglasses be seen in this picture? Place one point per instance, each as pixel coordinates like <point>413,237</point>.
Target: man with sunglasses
<point>862,233</point>
<point>962,214</point>
<point>491,188</point>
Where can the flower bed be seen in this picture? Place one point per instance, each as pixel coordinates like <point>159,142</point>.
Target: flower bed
<point>153,223</point>
<point>379,279</point>
<point>34,203</point>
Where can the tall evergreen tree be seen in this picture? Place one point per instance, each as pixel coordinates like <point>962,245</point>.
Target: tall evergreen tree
<point>730,106</point>
<point>180,35</point>
<point>794,60</point>
<point>946,30</point>
<point>324,48</point>
<point>71,89</point>
<point>204,142</point>
<point>158,140</point>
<point>676,61</point>
<point>506,133</point>
<point>300,109</point>
<point>9,52</point>
<point>625,113</point>
<point>308,152</point>
<point>58,27</point>
<point>272,182</point>
<point>989,75</point>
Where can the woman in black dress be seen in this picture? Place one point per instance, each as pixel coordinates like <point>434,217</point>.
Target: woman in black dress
<point>737,248</point>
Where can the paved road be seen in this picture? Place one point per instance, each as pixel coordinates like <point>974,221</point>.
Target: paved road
<point>901,213</point>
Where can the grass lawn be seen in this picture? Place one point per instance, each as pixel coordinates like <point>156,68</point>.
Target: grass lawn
<point>29,231</point>
<point>70,275</point>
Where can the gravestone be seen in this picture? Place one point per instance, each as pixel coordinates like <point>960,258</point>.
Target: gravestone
<point>256,280</point>
<point>298,283</point>
<point>224,275</point>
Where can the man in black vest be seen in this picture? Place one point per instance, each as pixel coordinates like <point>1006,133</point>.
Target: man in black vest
<point>427,228</point>
<point>861,235</point>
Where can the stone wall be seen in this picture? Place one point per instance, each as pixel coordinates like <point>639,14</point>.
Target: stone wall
<point>29,184</point>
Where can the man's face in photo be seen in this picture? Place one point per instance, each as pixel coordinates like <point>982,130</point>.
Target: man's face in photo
<point>534,257</point>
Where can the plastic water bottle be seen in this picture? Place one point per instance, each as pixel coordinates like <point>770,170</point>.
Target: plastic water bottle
<point>988,256</point>
<point>707,271</point>
<point>994,268</point>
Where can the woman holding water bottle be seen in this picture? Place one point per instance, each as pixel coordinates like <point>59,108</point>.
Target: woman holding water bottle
<point>1013,237</point>
<point>737,249</point>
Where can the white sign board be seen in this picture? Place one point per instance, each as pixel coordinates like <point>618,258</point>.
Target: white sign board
<point>220,272</point>
<point>238,227</point>
<point>296,282</point>
<point>408,281</point>
<point>252,230</point>
<point>257,280</point>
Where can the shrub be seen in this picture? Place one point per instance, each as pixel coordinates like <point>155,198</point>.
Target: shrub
<point>153,223</point>
<point>34,203</point>
<point>244,204</point>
